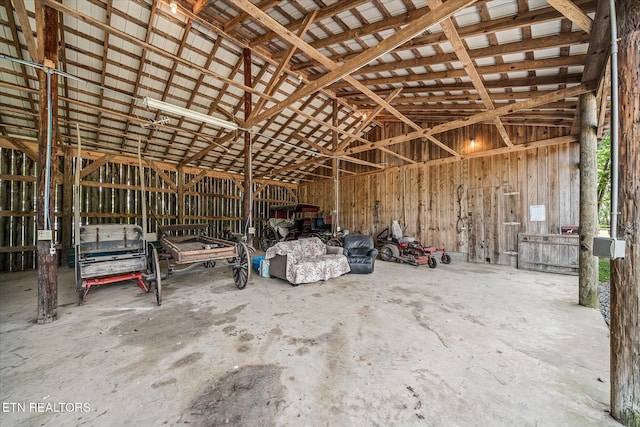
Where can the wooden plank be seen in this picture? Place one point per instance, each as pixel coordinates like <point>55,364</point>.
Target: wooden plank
<point>487,115</point>
<point>14,249</point>
<point>573,13</point>
<point>21,146</point>
<point>343,71</point>
<point>87,170</point>
<point>27,32</point>
<point>69,11</point>
<point>165,178</point>
<point>548,252</point>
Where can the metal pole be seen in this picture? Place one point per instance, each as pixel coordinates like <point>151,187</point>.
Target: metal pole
<point>76,194</point>
<point>614,121</point>
<point>143,197</point>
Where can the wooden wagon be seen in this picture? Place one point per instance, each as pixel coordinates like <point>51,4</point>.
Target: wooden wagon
<point>187,244</point>
<point>110,253</point>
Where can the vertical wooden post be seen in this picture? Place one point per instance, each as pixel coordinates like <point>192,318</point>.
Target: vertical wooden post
<point>587,263</point>
<point>47,265</point>
<point>248,190</point>
<point>67,202</point>
<point>335,164</point>
<point>180,194</point>
<point>625,273</point>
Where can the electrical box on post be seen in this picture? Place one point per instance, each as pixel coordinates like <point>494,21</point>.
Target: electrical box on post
<point>608,247</point>
<point>45,234</point>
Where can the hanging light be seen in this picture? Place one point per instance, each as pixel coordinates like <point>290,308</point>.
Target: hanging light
<point>185,112</point>
<point>174,7</point>
<point>473,142</point>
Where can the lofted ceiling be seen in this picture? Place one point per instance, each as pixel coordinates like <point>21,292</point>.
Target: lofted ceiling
<point>323,73</point>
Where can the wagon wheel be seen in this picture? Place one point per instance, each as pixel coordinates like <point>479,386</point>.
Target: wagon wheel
<point>268,239</point>
<point>432,262</point>
<point>334,242</point>
<point>241,270</point>
<point>446,259</point>
<point>389,252</point>
<point>154,275</point>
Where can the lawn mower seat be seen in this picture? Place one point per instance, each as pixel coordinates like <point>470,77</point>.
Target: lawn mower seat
<point>360,252</point>
<point>396,233</point>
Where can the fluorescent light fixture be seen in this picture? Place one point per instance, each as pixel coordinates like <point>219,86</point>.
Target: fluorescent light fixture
<point>185,112</point>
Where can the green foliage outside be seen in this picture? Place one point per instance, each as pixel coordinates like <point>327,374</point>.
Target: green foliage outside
<point>604,273</point>
<point>604,199</point>
<point>604,182</point>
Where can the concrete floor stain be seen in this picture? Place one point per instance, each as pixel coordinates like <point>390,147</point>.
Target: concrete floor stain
<point>250,395</point>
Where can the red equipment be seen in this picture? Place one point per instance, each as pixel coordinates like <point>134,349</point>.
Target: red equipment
<point>405,249</point>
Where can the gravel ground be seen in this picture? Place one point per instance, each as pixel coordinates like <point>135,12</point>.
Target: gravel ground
<point>603,298</point>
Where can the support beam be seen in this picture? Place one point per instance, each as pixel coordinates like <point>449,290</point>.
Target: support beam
<point>487,115</point>
<point>166,178</point>
<point>572,13</point>
<point>335,169</point>
<point>19,145</point>
<point>343,71</point>
<point>67,205</point>
<point>625,273</point>
<point>461,52</point>
<point>23,17</point>
<point>67,10</point>
<point>248,187</point>
<point>278,76</point>
<point>89,169</point>
<point>180,195</point>
<point>195,180</point>
<point>129,160</point>
<point>47,142</point>
<point>367,121</point>
<point>587,263</point>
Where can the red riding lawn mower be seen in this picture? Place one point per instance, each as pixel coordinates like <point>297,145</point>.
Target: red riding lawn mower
<point>395,247</point>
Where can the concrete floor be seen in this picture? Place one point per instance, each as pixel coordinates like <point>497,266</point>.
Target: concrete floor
<point>462,344</point>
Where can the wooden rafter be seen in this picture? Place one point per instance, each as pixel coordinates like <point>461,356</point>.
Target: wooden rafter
<point>487,115</point>
<point>31,44</point>
<point>142,62</point>
<point>343,71</point>
<point>21,146</point>
<point>461,51</point>
<point>27,32</point>
<point>96,164</point>
<point>199,5</point>
<point>573,60</point>
<point>161,174</point>
<point>264,5</point>
<point>522,20</point>
<point>276,77</point>
<point>366,122</point>
<point>333,10</point>
<point>573,13</point>
<point>94,155</point>
<point>195,180</point>
<point>130,38</point>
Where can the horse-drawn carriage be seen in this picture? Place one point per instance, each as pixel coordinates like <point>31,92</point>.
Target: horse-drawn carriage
<point>291,222</point>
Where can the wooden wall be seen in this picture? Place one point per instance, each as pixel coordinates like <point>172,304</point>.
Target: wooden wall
<point>17,210</point>
<point>475,205</point>
<point>110,193</point>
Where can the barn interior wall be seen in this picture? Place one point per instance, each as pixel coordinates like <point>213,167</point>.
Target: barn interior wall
<point>112,194</point>
<point>476,206</point>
